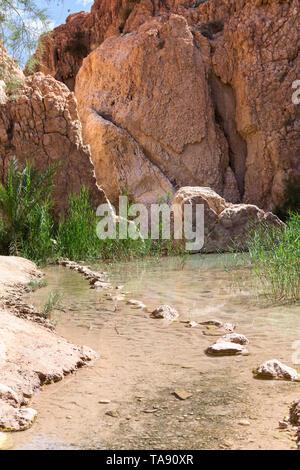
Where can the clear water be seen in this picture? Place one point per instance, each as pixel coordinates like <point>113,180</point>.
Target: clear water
<point>142,361</point>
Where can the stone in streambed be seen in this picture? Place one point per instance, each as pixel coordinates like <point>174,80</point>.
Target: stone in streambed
<point>234,338</point>
<point>182,394</point>
<point>274,369</point>
<point>136,304</point>
<point>295,413</point>
<point>230,327</point>
<point>166,312</point>
<point>226,348</point>
<point>101,285</point>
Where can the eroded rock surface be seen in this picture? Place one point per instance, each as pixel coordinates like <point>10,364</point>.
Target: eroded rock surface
<point>295,413</point>
<point>31,354</point>
<point>166,312</point>
<point>39,122</point>
<point>226,348</point>
<point>225,224</point>
<point>204,88</point>
<point>274,369</point>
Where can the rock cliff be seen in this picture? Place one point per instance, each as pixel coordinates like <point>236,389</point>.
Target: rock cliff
<point>204,89</point>
<point>39,121</point>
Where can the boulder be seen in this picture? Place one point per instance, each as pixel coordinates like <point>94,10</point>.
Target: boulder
<point>274,369</point>
<point>16,419</point>
<point>225,225</point>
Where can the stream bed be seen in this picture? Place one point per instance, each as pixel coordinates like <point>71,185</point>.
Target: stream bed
<point>125,399</point>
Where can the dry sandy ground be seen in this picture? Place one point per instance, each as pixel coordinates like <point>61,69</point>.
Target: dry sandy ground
<point>30,354</point>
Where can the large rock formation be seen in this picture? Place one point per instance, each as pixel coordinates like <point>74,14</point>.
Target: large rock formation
<point>206,94</point>
<point>226,225</point>
<point>152,84</point>
<point>39,122</point>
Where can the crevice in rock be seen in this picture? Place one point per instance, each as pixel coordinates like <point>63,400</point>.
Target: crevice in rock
<point>224,101</point>
<point>108,117</point>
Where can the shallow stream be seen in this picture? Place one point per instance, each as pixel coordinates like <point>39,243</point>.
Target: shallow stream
<point>143,361</point>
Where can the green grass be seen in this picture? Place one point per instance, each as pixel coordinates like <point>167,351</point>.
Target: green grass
<point>275,256</point>
<point>29,229</point>
<point>51,303</point>
<point>35,285</point>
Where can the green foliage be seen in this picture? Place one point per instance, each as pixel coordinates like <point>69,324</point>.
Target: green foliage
<point>39,245</point>
<point>51,303</point>
<point>35,285</point>
<point>275,254</point>
<point>292,199</point>
<point>24,206</point>
<point>21,24</point>
<point>27,226</point>
<point>76,235</point>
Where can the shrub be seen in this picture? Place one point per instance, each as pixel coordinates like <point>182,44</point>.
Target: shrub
<point>24,207</point>
<point>76,234</point>
<point>275,255</point>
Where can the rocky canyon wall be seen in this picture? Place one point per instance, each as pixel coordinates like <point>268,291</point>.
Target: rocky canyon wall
<point>175,93</point>
<point>39,122</point>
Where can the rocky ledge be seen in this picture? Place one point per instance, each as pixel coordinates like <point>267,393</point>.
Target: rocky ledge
<point>30,354</point>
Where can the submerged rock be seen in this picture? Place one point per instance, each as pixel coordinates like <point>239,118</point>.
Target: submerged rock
<point>274,369</point>
<point>136,303</point>
<point>218,324</point>
<point>234,338</point>
<point>226,348</point>
<point>166,312</point>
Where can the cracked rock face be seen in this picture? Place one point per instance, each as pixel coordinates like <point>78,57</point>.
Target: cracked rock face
<point>151,84</point>
<point>40,123</point>
<point>204,88</point>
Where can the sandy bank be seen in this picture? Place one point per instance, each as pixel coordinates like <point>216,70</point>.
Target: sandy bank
<point>30,354</point>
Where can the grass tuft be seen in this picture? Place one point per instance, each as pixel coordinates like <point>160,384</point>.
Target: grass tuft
<point>275,256</point>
